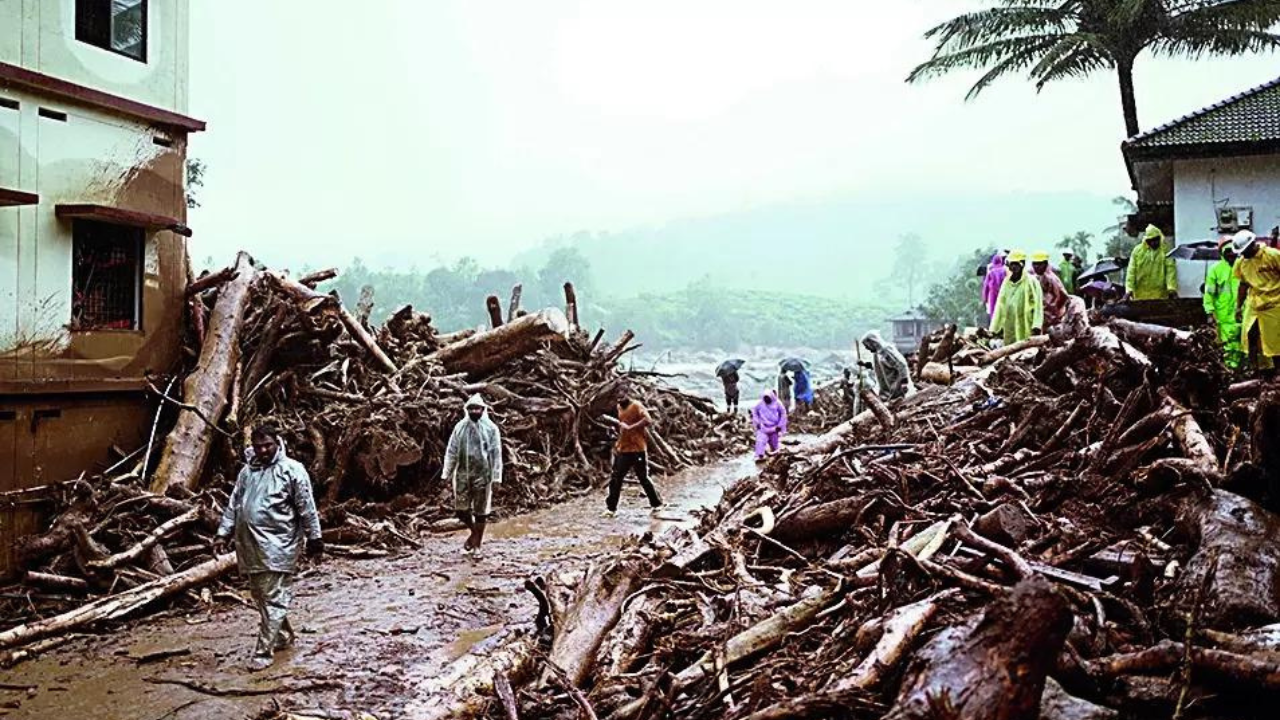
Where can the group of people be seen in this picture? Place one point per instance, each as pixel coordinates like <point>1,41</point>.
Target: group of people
<point>1023,302</point>
<point>1242,300</point>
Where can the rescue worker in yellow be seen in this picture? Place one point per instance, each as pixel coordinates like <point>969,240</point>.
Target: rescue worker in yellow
<point>1221,288</point>
<point>1258,302</point>
<point>1019,312</point>
<point>1152,275</point>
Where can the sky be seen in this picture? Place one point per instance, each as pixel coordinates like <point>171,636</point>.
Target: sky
<point>414,132</point>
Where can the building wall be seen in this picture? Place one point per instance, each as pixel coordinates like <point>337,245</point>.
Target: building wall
<point>1200,187</point>
<point>40,35</point>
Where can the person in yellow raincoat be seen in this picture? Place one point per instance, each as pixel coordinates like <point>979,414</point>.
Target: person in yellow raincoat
<point>1258,303</point>
<point>1152,274</point>
<point>1221,287</point>
<point>1019,312</point>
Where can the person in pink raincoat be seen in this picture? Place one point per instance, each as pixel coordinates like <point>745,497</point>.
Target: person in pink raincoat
<point>769,418</point>
<point>995,278</point>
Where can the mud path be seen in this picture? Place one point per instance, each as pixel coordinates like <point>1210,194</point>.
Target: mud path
<point>370,630</point>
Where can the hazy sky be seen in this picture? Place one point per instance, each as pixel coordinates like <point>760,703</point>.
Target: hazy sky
<point>414,131</point>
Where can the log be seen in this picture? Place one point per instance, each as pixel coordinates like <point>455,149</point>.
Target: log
<point>946,346</point>
<point>593,612</point>
<point>313,279</point>
<point>494,306</point>
<point>818,521</point>
<point>311,300</point>
<point>210,281</point>
<point>619,347</point>
<point>898,632</point>
<point>1007,523</point>
<point>461,688</point>
<point>1239,542</point>
<point>459,336</point>
<point>839,435</point>
<point>992,667</point>
<point>1005,351</point>
<point>486,351</point>
<point>878,408</point>
<point>57,582</point>
<point>1228,669</point>
<point>1147,331</point>
<point>142,547</point>
<point>513,308</point>
<point>1056,704</point>
<point>939,374</point>
<point>208,386</point>
<point>571,304</point>
<point>358,331</point>
<point>1191,438</point>
<point>119,605</point>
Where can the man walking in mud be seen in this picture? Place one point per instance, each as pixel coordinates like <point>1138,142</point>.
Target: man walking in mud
<point>473,462</point>
<point>631,453</point>
<point>271,516</point>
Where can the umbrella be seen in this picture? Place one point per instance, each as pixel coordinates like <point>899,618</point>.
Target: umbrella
<point>729,366</point>
<point>794,365</point>
<point>1101,288</point>
<point>1199,250</point>
<point>1099,271</point>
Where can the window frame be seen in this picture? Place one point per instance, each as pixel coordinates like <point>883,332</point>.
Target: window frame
<point>138,279</point>
<point>145,45</point>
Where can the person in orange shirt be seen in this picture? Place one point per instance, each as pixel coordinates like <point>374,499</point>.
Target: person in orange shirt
<point>630,453</point>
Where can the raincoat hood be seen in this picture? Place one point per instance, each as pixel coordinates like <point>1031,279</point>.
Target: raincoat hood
<point>997,260</point>
<point>251,457</point>
<point>872,340</point>
<point>1153,232</point>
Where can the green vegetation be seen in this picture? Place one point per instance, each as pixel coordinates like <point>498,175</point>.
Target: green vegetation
<point>958,297</point>
<point>1061,39</point>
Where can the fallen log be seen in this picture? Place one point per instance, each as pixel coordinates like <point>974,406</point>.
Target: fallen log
<point>571,304</point>
<point>494,306</point>
<point>1228,669</point>
<point>56,582</point>
<point>1005,351</point>
<point>822,520</point>
<point>1191,438</point>
<point>618,348</point>
<point>1239,543</point>
<point>208,386</point>
<point>1056,704</point>
<point>146,544</point>
<point>1147,331</point>
<point>878,408</point>
<point>513,308</point>
<point>116,606</point>
<point>992,667</point>
<point>463,688</point>
<point>486,351</point>
<point>313,279</point>
<point>590,615</point>
<point>897,633</point>
<point>210,281</point>
<point>940,374</point>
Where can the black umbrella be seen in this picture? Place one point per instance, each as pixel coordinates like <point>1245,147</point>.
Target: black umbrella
<point>1200,250</point>
<point>1099,271</point>
<point>794,365</point>
<point>729,366</point>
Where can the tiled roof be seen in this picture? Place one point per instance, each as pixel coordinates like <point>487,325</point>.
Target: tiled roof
<point>1252,116</point>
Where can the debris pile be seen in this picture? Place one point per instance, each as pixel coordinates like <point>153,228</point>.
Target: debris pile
<point>1074,529</point>
<point>367,410</point>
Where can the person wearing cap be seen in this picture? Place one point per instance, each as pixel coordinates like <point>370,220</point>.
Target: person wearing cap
<point>473,462</point>
<point>1052,290</point>
<point>1258,302</point>
<point>1019,312</point>
<point>1152,274</point>
<point>1068,271</point>
<point>1221,288</point>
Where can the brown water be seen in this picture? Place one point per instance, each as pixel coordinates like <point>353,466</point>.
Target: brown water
<point>376,627</point>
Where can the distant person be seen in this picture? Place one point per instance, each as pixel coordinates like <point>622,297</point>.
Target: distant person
<point>731,393</point>
<point>630,453</point>
<point>769,419</point>
<point>473,463</point>
<point>996,273</point>
<point>1052,290</point>
<point>804,391</point>
<point>1258,303</point>
<point>784,389</point>
<point>1221,290</point>
<point>271,516</point>
<point>851,387</point>
<point>1019,310</point>
<point>1152,275</point>
<point>1068,271</point>
<point>893,374</point>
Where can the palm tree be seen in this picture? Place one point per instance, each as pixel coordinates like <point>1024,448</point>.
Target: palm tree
<point>1056,39</point>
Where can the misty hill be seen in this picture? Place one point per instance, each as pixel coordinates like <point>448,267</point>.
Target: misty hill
<point>833,249</point>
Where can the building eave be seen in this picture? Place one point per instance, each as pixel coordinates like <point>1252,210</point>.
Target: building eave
<point>22,78</point>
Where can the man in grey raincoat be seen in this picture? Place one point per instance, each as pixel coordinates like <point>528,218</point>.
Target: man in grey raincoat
<point>272,516</point>
<point>892,372</point>
<point>473,462</point>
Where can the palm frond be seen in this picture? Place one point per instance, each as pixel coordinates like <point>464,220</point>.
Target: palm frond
<point>1072,57</point>
<point>1023,50</point>
<point>1012,63</point>
<point>1195,44</point>
<point>1225,14</point>
<point>984,26</point>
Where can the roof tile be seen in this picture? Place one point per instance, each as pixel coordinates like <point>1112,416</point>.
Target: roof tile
<point>1251,116</point>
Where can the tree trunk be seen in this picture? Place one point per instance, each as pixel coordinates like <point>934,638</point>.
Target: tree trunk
<point>571,304</point>
<point>514,308</point>
<point>208,386</point>
<point>994,666</point>
<point>1128,101</point>
<point>483,352</point>
<point>1239,542</point>
<point>820,520</point>
<point>494,306</point>
<point>119,605</point>
<point>594,611</point>
<point>460,690</point>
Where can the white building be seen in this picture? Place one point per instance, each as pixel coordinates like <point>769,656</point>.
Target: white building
<point>1214,171</point>
<point>93,258</point>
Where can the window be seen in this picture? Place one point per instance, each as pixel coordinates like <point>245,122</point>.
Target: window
<point>116,25</point>
<point>106,276</point>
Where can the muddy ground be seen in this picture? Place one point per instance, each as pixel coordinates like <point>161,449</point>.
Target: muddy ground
<point>370,630</point>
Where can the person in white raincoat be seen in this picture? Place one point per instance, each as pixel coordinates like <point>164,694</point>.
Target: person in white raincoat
<point>473,462</point>
<point>892,372</point>
<point>272,515</point>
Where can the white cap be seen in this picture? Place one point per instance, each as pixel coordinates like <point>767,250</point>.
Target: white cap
<point>1242,240</point>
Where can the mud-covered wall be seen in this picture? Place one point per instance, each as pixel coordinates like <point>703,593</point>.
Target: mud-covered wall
<point>40,35</point>
<point>95,158</point>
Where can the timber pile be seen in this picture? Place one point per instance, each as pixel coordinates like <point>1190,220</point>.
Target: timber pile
<point>367,410</point>
<point>1077,530</point>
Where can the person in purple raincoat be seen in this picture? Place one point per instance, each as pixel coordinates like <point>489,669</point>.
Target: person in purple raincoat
<point>995,278</point>
<point>769,418</point>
